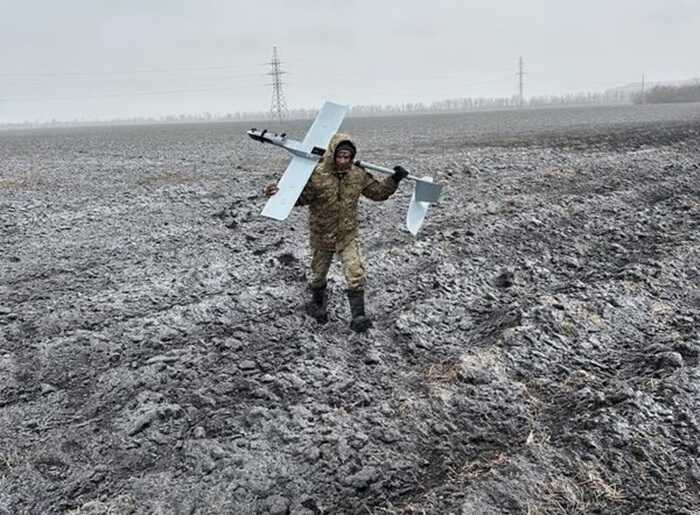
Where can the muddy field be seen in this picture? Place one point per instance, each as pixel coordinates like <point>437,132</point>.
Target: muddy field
<point>535,351</point>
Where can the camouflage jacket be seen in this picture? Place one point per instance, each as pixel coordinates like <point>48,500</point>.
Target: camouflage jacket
<point>332,196</point>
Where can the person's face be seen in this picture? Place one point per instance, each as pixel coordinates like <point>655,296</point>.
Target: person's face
<point>343,160</point>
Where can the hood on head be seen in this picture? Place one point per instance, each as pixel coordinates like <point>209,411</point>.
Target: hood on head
<point>335,140</point>
<point>328,157</point>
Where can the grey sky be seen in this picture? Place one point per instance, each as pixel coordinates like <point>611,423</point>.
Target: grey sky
<point>103,59</point>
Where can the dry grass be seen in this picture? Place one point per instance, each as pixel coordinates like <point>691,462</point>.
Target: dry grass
<point>537,439</point>
<point>406,407</point>
<point>633,285</point>
<point>11,184</point>
<point>651,385</point>
<point>441,377</point>
<point>577,496</point>
<point>577,379</point>
<point>560,497</point>
<point>559,172</point>
<point>487,358</point>
<point>661,309</point>
<point>568,328</point>
<point>9,460</point>
<point>483,465</point>
<point>404,510</point>
<point>443,373</point>
<point>591,479</point>
<point>120,505</point>
<point>7,463</point>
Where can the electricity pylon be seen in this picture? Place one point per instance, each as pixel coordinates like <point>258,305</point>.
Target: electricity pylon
<point>278,109</point>
<point>520,74</point>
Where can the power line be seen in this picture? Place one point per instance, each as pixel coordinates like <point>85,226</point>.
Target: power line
<point>193,90</point>
<point>118,95</point>
<point>121,72</point>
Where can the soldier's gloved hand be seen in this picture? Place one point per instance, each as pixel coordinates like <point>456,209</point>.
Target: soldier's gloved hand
<point>400,173</point>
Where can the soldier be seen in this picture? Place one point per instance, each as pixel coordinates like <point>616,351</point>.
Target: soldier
<point>332,194</point>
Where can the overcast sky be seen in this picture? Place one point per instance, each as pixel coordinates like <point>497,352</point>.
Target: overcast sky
<point>98,59</point>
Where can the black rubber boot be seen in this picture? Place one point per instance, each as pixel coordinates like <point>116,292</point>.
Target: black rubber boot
<point>360,322</point>
<point>317,307</point>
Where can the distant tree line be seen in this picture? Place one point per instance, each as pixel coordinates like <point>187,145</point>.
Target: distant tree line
<point>669,94</point>
<point>584,98</point>
<point>491,103</point>
<point>611,97</point>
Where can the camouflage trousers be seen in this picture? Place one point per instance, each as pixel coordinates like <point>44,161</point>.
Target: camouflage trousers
<point>351,259</point>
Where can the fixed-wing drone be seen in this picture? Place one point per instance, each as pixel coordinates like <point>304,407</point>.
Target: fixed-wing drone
<point>308,152</point>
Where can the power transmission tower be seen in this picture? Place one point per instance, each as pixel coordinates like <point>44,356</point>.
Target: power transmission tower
<point>520,74</point>
<point>643,99</point>
<point>278,109</point>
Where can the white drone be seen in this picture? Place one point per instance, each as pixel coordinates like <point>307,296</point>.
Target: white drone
<point>307,153</point>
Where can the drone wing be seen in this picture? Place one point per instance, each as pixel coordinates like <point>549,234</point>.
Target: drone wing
<point>325,125</point>
<point>300,168</point>
<point>290,187</point>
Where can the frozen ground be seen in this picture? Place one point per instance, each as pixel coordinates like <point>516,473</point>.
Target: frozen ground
<point>536,349</point>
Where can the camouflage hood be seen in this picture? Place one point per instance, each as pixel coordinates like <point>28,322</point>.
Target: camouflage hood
<point>328,162</point>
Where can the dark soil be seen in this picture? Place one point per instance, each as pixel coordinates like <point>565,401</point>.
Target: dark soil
<point>536,349</point>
